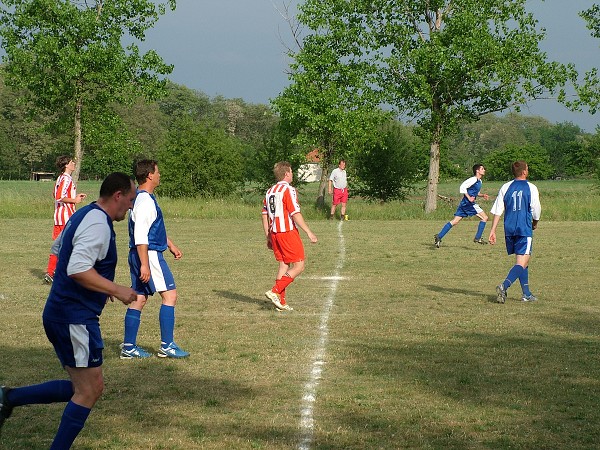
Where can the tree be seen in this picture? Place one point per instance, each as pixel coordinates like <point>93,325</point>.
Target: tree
<point>69,55</point>
<point>589,91</point>
<point>441,62</point>
<point>325,105</point>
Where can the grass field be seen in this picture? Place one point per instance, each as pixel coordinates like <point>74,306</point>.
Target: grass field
<point>393,344</point>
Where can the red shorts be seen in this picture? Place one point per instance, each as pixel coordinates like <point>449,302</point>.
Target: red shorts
<point>288,246</point>
<point>340,196</point>
<point>56,231</point>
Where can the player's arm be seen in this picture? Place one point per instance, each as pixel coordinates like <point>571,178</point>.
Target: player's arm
<point>174,249</point>
<point>301,223</point>
<point>267,229</point>
<point>142,251</point>
<point>495,222</point>
<point>330,186</point>
<point>92,280</point>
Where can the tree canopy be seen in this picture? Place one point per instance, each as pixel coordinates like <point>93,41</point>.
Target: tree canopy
<point>440,63</point>
<point>67,55</point>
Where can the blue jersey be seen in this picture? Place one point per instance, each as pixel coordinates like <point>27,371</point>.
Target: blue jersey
<point>470,186</point>
<point>519,200</point>
<point>88,241</point>
<point>146,223</point>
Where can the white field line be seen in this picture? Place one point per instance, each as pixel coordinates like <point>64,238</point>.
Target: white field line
<point>309,395</point>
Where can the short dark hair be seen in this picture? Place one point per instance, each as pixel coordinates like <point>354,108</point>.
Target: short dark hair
<point>143,168</point>
<point>62,161</point>
<point>116,181</point>
<point>476,168</point>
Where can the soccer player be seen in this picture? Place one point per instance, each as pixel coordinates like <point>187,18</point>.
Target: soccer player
<point>65,199</point>
<point>468,207</point>
<point>149,270</point>
<point>281,218</point>
<point>84,281</point>
<point>338,189</point>
<point>519,200</point>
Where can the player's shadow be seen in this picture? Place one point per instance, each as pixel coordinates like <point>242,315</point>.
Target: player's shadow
<point>37,273</point>
<point>445,290</point>
<point>265,304</point>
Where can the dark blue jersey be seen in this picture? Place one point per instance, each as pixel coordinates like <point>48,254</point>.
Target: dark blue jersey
<point>88,241</point>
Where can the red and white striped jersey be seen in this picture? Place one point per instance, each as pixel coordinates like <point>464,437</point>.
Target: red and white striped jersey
<point>64,187</point>
<point>281,203</point>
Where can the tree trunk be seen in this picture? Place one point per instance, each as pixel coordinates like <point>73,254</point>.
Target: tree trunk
<point>323,186</point>
<point>78,149</point>
<point>434,171</point>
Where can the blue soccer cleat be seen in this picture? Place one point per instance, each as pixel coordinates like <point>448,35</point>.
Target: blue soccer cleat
<point>171,351</point>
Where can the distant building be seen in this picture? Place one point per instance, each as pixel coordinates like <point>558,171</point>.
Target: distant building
<point>311,171</point>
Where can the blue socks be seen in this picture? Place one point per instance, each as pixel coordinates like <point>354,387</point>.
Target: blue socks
<point>480,229</point>
<point>56,391</point>
<point>72,422</point>
<point>524,279</point>
<point>133,318</point>
<point>445,230</point>
<point>166,319</point>
<point>512,276</point>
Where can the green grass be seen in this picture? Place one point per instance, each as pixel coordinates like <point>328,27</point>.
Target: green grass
<point>417,355</point>
<point>561,200</point>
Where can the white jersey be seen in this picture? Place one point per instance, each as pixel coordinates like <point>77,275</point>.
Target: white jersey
<point>338,177</point>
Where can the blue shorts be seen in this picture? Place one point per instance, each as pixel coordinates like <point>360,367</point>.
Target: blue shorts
<point>76,345</point>
<point>161,278</point>
<point>468,210</point>
<point>518,245</point>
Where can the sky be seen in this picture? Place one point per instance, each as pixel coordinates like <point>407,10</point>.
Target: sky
<point>234,48</point>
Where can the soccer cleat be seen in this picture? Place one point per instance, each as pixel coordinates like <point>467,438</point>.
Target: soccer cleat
<point>172,351</point>
<point>274,297</point>
<point>528,298</point>
<point>133,352</point>
<point>345,216</point>
<point>286,307</point>
<point>437,241</point>
<point>5,407</point>
<point>501,292</point>
<point>48,279</point>
<point>479,241</point>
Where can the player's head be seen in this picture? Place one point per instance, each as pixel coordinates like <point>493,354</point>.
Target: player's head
<point>342,164</point>
<point>519,168</point>
<point>143,168</point>
<point>118,191</point>
<point>476,167</point>
<point>63,161</point>
<point>116,181</point>
<point>281,169</point>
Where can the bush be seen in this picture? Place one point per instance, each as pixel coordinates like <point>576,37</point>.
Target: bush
<point>200,159</point>
<point>498,163</point>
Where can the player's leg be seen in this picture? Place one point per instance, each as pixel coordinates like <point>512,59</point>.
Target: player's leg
<point>132,322</point>
<point>481,227</point>
<point>445,229</point>
<point>344,201</point>
<point>521,247</point>
<point>88,385</point>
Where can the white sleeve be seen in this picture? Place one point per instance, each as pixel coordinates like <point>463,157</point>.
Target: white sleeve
<point>467,184</point>
<point>498,206</point>
<point>90,243</point>
<point>144,214</point>
<point>536,206</point>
